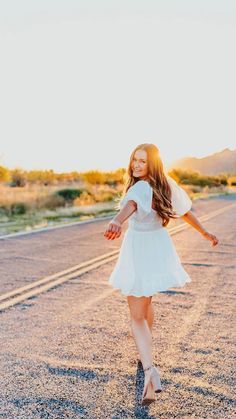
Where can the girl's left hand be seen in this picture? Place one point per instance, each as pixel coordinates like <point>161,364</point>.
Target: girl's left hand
<point>113,230</point>
<point>211,237</point>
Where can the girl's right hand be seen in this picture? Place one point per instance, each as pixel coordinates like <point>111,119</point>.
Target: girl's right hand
<point>113,230</point>
<point>211,237</point>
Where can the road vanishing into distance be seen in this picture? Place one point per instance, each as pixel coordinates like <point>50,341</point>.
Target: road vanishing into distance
<point>66,345</point>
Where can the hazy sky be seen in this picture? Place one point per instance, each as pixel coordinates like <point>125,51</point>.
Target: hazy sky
<point>84,82</point>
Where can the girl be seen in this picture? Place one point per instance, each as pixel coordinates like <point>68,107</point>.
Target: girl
<point>148,261</point>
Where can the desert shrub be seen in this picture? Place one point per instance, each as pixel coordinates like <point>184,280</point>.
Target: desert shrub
<point>49,202</point>
<point>94,177</point>
<point>85,198</point>
<point>4,174</point>
<point>18,208</point>
<point>195,188</point>
<point>18,178</point>
<point>114,178</point>
<point>5,210</point>
<point>70,194</point>
<point>207,181</point>
<point>2,211</point>
<point>104,196</point>
<point>232,181</point>
<point>44,177</point>
<point>223,179</point>
<point>187,177</point>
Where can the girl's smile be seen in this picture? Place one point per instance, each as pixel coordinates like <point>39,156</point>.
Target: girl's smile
<point>139,163</point>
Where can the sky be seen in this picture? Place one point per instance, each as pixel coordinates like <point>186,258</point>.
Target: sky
<point>82,83</point>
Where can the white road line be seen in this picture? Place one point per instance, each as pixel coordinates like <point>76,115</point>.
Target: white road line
<point>38,290</point>
<point>67,273</point>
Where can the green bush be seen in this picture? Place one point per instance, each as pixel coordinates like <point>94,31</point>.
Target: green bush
<point>187,177</point>
<point>3,211</point>
<point>18,208</point>
<point>223,180</point>
<point>71,194</point>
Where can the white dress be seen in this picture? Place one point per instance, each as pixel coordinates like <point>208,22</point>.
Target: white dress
<point>148,261</point>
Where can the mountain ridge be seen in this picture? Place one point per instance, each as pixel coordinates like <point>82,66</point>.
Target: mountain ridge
<point>220,162</point>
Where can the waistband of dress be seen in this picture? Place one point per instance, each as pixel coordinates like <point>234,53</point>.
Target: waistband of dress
<point>145,227</point>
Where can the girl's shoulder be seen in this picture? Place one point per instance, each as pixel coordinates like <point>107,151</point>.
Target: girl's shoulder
<point>141,185</point>
<point>141,193</point>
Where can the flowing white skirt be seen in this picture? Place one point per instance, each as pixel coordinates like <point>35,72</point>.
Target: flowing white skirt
<point>147,263</point>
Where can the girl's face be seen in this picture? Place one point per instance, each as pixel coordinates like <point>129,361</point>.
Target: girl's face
<point>139,164</point>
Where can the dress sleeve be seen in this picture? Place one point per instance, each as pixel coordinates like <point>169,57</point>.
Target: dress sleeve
<point>181,202</point>
<point>141,193</point>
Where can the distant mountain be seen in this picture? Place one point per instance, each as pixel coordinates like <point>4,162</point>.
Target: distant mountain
<point>214,164</point>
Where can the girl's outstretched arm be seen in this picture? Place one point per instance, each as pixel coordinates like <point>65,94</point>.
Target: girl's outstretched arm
<point>191,219</point>
<point>113,230</point>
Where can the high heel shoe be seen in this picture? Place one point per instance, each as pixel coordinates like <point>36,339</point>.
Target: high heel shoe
<point>152,386</point>
<point>138,358</point>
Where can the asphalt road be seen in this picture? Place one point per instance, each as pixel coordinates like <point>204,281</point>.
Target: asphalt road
<point>27,258</point>
<point>68,353</point>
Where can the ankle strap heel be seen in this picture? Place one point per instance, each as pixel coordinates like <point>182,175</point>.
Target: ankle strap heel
<point>155,378</point>
<point>148,368</point>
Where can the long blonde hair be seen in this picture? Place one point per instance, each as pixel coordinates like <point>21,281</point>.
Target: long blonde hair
<point>156,178</point>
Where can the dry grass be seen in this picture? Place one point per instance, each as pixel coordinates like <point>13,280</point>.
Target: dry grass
<point>29,194</point>
<point>39,196</point>
<point>37,205</point>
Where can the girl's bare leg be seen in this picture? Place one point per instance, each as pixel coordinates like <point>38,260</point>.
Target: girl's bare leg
<point>150,316</point>
<point>139,309</point>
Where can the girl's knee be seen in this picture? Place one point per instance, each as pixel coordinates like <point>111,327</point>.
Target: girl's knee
<point>138,316</point>
<point>138,307</point>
